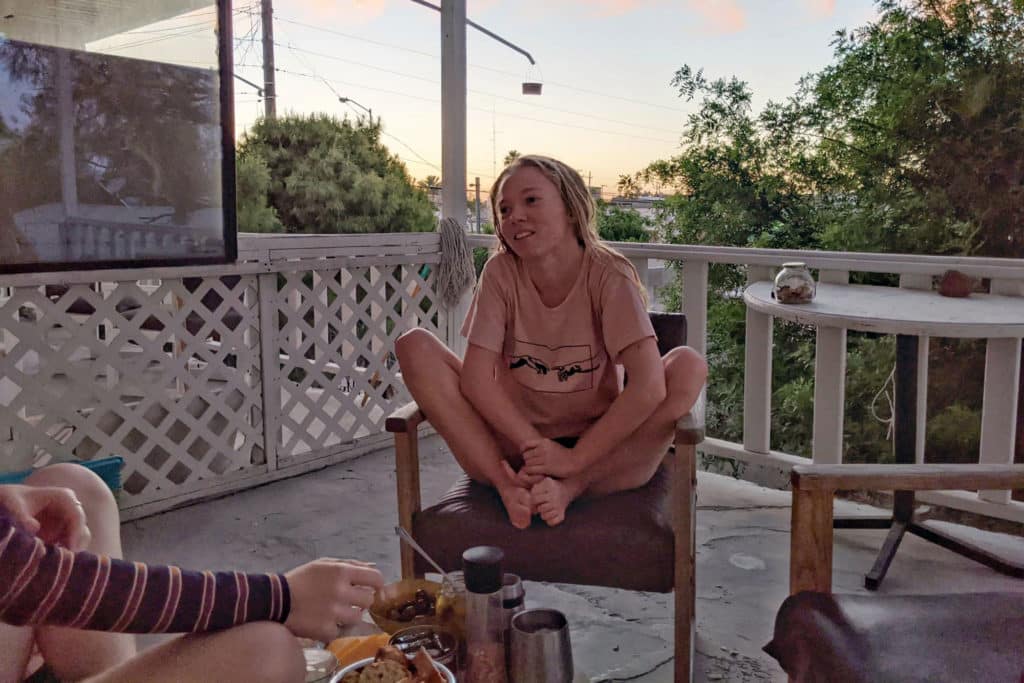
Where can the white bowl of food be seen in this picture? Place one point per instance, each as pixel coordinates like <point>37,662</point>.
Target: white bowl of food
<point>374,670</point>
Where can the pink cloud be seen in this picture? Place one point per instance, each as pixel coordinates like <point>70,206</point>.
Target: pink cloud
<point>821,8</point>
<point>617,7</point>
<point>721,16</point>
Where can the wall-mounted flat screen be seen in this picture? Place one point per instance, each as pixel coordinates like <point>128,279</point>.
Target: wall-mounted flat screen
<point>116,134</point>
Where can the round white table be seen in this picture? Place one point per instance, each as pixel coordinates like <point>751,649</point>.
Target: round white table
<point>909,314</point>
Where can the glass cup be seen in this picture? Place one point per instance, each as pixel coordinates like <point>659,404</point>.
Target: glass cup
<point>541,651</point>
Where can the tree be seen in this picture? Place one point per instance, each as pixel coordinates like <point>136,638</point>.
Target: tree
<point>910,141</point>
<point>329,175</point>
<point>511,156</point>
<point>431,182</point>
<point>252,180</point>
<point>617,224</point>
<point>921,116</point>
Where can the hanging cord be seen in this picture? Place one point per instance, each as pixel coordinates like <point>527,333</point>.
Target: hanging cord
<point>888,421</point>
<point>455,273</point>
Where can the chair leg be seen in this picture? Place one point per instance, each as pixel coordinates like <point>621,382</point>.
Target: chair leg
<point>684,492</point>
<point>407,477</point>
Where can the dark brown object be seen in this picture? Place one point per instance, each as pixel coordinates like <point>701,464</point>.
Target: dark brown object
<point>955,284</point>
<point>646,535</point>
<point>823,637</point>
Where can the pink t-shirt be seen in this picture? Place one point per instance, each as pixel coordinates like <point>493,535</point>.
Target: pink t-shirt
<point>562,358</point>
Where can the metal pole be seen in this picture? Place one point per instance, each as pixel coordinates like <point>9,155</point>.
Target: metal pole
<point>269,87</point>
<point>483,30</point>
<point>478,228</point>
<point>453,110</point>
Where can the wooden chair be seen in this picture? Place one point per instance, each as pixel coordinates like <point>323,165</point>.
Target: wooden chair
<point>824,637</point>
<point>638,540</point>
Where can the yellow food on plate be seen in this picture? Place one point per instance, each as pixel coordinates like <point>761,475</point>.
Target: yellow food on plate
<point>354,648</point>
<point>385,671</point>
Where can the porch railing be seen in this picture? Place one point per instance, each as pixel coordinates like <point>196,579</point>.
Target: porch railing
<point>215,379</point>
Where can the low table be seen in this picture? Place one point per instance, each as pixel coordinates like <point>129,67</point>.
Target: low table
<point>909,314</point>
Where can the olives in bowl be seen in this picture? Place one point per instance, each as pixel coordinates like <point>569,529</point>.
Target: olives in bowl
<point>409,602</point>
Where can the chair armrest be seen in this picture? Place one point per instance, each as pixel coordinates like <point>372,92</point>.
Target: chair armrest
<point>815,485</point>
<point>907,477</point>
<point>690,427</point>
<point>403,423</point>
<point>405,419</point>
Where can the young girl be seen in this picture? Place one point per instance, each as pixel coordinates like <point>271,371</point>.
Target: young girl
<point>537,408</point>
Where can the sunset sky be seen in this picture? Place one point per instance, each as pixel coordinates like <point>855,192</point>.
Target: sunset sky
<point>608,106</point>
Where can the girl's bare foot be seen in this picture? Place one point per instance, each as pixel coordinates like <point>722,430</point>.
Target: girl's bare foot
<point>552,497</point>
<point>517,501</point>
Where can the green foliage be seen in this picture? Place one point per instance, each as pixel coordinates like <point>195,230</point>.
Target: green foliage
<point>331,176</point>
<point>954,434</point>
<point>910,141</point>
<point>252,180</point>
<point>616,224</point>
<point>481,254</point>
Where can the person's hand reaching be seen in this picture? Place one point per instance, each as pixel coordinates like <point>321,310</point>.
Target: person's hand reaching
<point>52,513</point>
<point>327,594</point>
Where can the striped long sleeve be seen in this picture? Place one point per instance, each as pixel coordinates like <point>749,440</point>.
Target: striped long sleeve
<point>45,584</point>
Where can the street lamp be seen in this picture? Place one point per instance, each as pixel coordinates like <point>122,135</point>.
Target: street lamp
<point>529,87</point>
<point>349,100</point>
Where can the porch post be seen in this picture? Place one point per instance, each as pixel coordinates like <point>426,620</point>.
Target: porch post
<point>453,110</point>
<point>453,135</point>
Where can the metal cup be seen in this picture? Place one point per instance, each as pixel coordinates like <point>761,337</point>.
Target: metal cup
<point>541,652</point>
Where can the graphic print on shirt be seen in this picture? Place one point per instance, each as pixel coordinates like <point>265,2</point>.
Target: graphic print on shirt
<point>562,369</point>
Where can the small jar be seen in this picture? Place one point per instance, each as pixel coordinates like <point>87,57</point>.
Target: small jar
<point>794,284</point>
<point>451,605</point>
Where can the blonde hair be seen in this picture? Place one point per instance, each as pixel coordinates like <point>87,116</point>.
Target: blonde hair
<point>579,206</point>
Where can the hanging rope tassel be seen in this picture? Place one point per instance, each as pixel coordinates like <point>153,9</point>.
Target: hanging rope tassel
<point>455,273</point>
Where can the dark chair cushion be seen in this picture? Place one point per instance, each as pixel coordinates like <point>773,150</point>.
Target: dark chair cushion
<point>907,638</point>
<point>623,540</point>
<point>670,329</point>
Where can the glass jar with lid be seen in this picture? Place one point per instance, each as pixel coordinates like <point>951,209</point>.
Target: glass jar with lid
<point>794,284</point>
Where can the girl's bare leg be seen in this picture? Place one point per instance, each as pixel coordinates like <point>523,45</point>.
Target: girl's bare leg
<point>431,372</point>
<point>72,654</point>
<point>634,461</point>
<point>259,652</point>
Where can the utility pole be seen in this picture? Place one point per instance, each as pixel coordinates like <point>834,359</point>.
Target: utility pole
<point>478,229</point>
<point>453,110</point>
<point>269,87</point>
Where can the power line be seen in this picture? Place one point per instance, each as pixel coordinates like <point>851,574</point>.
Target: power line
<point>382,131</point>
<point>480,92</point>
<point>505,114</point>
<point>485,68</point>
<point>169,34</point>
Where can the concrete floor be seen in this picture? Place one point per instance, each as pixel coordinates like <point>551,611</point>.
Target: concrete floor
<point>349,510</point>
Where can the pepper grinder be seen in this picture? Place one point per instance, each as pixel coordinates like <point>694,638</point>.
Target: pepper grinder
<point>485,637</point>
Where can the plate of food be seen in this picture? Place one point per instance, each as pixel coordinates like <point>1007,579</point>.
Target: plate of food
<point>391,665</point>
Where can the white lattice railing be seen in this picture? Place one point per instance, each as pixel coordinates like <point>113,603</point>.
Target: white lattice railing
<point>165,367</point>
<point>214,378</point>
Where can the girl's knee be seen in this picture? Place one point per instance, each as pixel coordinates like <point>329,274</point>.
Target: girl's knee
<point>684,368</point>
<point>414,343</point>
<point>87,485</point>
<point>269,652</point>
